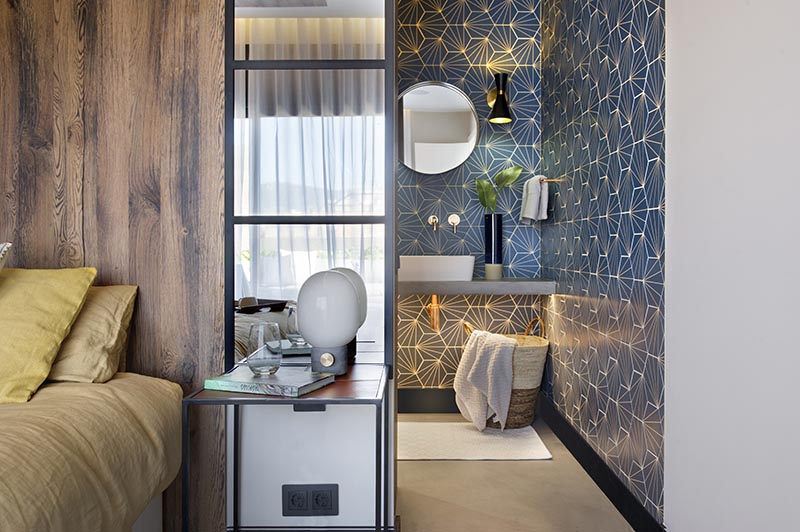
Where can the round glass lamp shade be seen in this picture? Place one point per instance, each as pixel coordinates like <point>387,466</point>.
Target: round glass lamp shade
<point>361,288</point>
<point>328,309</point>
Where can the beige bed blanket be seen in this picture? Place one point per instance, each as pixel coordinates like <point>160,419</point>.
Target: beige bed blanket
<point>242,323</point>
<point>86,457</point>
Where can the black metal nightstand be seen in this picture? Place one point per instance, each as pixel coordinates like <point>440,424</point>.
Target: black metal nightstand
<point>365,384</point>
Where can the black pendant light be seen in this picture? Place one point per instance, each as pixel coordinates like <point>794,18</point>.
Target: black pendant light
<point>501,114</point>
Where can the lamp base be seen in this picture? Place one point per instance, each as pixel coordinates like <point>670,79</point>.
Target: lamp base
<point>329,360</point>
<point>352,350</point>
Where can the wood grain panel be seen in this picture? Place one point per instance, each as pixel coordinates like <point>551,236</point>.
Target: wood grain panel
<point>9,120</point>
<point>110,158</point>
<point>32,28</point>
<point>68,69</point>
<point>111,155</point>
<point>210,45</point>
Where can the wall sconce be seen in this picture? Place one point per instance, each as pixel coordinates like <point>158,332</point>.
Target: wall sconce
<point>498,101</point>
<point>433,309</point>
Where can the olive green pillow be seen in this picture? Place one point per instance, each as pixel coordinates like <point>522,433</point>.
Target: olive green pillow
<point>37,309</point>
<point>92,351</point>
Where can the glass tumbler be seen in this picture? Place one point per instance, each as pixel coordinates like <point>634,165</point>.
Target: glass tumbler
<point>265,349</point>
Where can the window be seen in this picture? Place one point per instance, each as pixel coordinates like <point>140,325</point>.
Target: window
<point>274,260</point>
<point>310,142</point>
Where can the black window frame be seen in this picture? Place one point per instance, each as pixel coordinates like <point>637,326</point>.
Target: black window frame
<point>388,219</point>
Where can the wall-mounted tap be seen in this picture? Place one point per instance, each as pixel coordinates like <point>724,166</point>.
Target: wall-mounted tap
<point>433,220</point>
<point>454,220</point>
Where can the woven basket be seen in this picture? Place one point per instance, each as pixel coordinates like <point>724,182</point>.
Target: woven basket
<point>528,369</point>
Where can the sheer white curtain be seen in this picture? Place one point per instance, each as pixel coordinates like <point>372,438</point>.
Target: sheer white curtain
<point>309,143</point>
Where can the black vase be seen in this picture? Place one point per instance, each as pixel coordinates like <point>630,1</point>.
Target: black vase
<point>493,238</point>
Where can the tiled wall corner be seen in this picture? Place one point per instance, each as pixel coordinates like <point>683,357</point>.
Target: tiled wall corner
<point>463,42</point>
<point>427,358</point>
<point>603,131</point>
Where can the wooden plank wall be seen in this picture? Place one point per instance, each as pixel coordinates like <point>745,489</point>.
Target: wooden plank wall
<point>111,155</point>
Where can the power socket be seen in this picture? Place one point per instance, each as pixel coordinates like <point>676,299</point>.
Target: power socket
<point>295,501</point>
<point>310,500</point>
<point>322,501</point>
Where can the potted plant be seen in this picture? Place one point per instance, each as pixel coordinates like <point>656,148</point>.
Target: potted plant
<point>488,190</point>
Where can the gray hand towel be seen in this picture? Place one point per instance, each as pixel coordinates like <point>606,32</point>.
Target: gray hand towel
<point>534,200</point>
<point>544,194</point>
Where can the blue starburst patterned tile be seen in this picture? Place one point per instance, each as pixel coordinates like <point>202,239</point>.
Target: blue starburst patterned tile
<point>602,120</point>
<point>427,358</point>
<point>463,42</point>
<point>587,92</point>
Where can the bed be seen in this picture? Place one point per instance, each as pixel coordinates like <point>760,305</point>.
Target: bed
<point>242,325</point>
<point>83,456</point>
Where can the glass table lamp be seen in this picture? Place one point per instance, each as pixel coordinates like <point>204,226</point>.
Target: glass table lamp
<point>331,307</point>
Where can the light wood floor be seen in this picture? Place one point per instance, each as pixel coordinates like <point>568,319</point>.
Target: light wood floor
<point>543,496</point>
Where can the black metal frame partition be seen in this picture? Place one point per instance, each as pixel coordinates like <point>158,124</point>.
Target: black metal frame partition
<point>388,219</point>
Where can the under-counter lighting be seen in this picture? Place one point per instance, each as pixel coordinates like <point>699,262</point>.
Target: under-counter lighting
<point>498,100</point>
<point>433,309</point>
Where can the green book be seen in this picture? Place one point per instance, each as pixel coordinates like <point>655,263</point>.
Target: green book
<point>289,381</point>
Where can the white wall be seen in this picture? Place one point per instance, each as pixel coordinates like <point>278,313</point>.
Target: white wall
<point>732,458</point>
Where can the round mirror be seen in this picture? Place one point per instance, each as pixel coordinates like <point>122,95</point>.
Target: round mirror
<point>438,127</point>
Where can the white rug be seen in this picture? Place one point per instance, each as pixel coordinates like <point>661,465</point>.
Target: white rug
<point>462,441</point>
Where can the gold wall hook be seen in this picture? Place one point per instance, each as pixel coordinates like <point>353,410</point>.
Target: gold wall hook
<point>468,327</point>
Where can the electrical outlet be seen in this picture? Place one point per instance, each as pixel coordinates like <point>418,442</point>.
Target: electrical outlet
<point>322,502</point>
<point>310,499</point>
<point>295,500</point>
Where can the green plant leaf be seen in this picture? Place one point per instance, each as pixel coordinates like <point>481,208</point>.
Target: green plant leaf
<point>506,178</point>
<point>487,194</point>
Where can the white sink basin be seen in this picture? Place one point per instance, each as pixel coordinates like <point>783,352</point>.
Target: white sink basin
<point>436,268</point>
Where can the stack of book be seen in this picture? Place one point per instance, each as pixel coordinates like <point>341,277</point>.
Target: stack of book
<point>289,381</point>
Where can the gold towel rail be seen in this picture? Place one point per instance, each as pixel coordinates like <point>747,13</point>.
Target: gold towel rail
<point>553,180</point>
<point>469,328</point>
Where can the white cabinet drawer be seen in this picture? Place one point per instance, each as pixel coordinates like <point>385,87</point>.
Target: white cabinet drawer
<point>281,446</point>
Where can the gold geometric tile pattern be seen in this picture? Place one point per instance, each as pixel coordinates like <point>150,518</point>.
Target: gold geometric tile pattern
<point>429,359</point>
<point>603,105</point>
<point>463,42</point>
